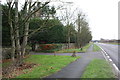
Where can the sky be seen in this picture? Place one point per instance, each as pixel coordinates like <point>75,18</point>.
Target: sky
<point>102,16</point>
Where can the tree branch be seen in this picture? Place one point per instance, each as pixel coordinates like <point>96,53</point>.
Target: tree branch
<point>27,17</point>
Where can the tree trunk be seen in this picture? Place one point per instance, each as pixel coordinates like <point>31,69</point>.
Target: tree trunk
<point>26,31</point>
<point>25,39</point>
<point>78,33</point>
<point>11,33</point>
<point>18,48</point>
<point>68,42</point>
<point>68,35</point>
<point>13,42</point>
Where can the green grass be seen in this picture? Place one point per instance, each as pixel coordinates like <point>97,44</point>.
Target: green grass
<point>46,62</point>
<point>76,50</point>
<point>114,43</point>
<point>6,64</point>
<point>98,68</point>
<point>96,48</point>
<point>48,51</point>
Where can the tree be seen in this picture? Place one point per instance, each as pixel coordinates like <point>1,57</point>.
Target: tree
<point>70,35</point>
<point>52,32</point>
<point>19,42</point>
<point>67,19</point>
<point>56,34</point>
<point>83,32</point>
<point>46,11</point>
<point>6,41</point>
<point>79,24</point>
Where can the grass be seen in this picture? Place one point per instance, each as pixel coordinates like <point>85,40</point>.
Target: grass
<point>98,68</point>
<point>76,50</point>
<point>48,51</point>
<point>6,64</point>
<point>49,64</point>
<point>96,48</point>
<point>114,43</point>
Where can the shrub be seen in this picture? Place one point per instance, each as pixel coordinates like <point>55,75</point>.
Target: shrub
<point>6,53</point>
<point>48,47</point>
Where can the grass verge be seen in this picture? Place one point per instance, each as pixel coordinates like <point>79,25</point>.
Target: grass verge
<point>48,64</point>
<point>47,51</point>
<point>114,43</point>
<point>76,50</point>
<point>96,48</point>
<point>98,68</point>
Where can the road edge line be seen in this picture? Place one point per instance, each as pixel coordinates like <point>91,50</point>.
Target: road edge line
<point>110,60</point>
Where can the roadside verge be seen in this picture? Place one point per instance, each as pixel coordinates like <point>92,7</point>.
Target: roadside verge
<point>114,67</point>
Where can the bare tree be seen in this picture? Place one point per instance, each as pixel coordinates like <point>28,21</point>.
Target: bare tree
<point>17,46</point>
<point>11,30</point>
<point>26,29</point>
<point>68,19</point>
<point>83,32</point>
<point>79,24</point>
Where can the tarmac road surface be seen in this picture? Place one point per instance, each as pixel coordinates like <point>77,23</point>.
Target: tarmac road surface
<point>113,51</point>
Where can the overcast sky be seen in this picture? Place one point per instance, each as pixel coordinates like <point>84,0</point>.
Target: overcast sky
<point>102,17</point>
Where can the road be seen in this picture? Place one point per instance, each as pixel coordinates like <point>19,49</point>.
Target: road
<point>113,51</point>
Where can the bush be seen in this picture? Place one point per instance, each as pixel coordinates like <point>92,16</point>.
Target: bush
<point>6,53</point>
<point>49,47</point>
<point>28,49</point>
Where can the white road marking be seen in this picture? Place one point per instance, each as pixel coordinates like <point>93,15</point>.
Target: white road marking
<point>104,52</point>
<point>110,59</point>
<point>104,56</point>
<point>116,67</point>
